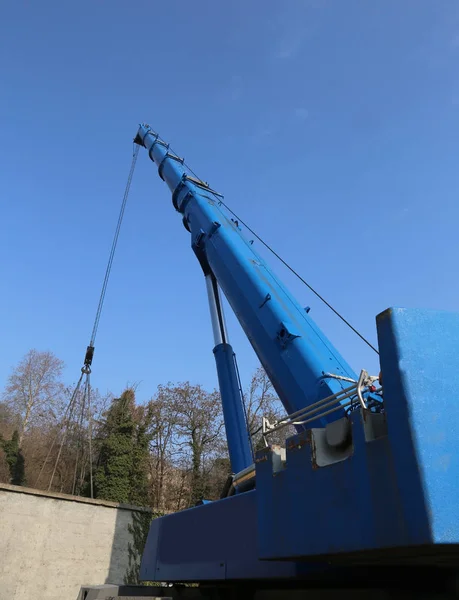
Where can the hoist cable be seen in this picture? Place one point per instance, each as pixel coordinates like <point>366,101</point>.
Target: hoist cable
<point>113,248</point>
<point>88,394</point>
<point>86,369</point>
<point>299,277</point>
<point>291,269</point>
<point>69,405</point>
<point>79,441</point>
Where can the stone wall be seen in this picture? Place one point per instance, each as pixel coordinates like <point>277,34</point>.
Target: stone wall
<point>51,544</point>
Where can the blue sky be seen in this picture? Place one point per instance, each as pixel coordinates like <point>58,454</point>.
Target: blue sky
<point>330,126</point>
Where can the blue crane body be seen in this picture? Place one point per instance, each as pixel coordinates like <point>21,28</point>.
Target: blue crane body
<point>371,475</point>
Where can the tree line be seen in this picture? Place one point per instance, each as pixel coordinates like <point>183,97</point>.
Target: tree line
<point>167,452</point>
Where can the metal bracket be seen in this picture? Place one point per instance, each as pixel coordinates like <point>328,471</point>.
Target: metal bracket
<point>202,184</point>
<point>178,188</point>
<point>214,227</point>
<point>166,156</point>
<point>285,336</point>
<point>185,199</point>
<point>199,238</point>
<point>266,299</point>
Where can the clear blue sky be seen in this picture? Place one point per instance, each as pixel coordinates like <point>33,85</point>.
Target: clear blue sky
<point>331,127</point>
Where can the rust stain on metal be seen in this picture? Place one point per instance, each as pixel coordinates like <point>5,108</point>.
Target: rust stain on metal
<point>262,455</point>
<point>315,466</point>
<point>261,459</point>
<point>294,445</point>
<point>299,440</point>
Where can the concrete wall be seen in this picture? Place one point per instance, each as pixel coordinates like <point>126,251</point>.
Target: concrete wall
<point>51,544</point>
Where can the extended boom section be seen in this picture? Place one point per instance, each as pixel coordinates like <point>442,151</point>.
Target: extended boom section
<point>296,355</point>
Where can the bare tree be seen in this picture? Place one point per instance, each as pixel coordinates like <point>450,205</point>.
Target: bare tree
<point>261,401</point>
<point>41,444</point>
<point>34,390</point>
<point>162,449</point>
<point>199,426</point>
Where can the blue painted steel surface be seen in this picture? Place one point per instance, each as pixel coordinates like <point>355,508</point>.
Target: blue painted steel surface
<point>291,348</point>
<point>235,422</point>
<point>398,491</point>
<point>347,506</point>
<point>217,541</point>
<point>420,366</point>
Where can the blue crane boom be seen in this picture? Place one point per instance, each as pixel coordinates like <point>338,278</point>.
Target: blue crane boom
<point>367,477</point>
<point>294,352</point>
